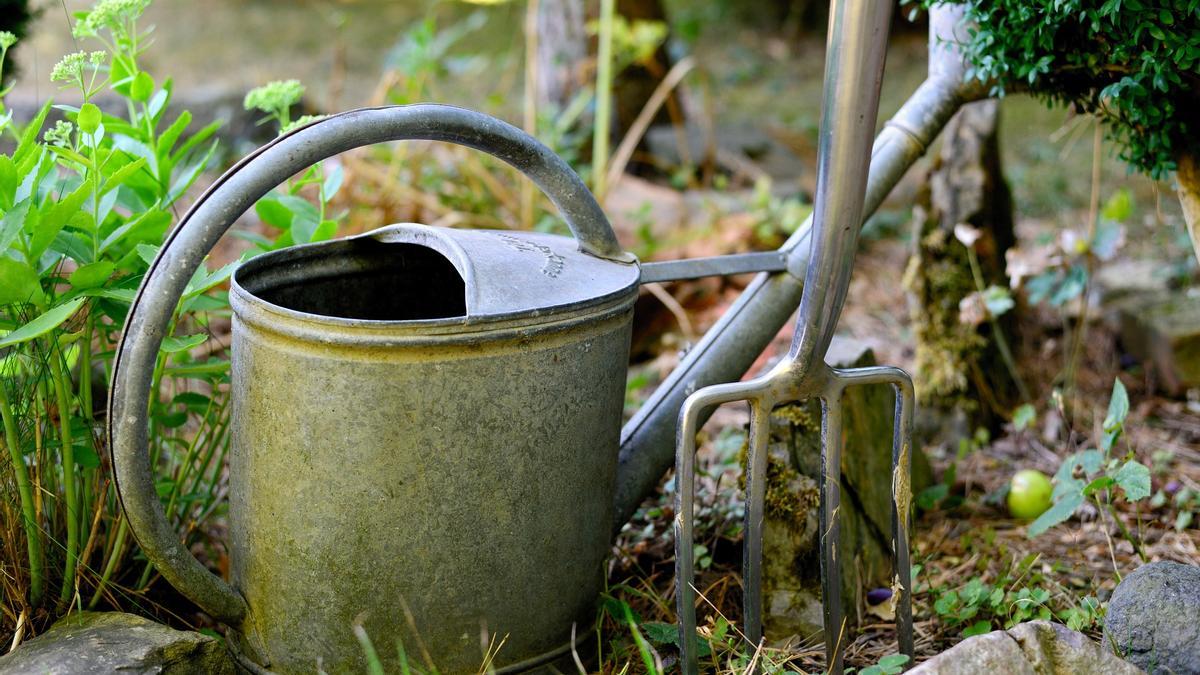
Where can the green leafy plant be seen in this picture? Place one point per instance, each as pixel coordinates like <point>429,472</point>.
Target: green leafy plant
<point>1133,64</point>
<point>84,206</point>
<point>1184,498</point>
<point>892,664</point>
<point>298,220</point>
<point>775,218</point>
<point>977,605</point>
<point>1096,474</point>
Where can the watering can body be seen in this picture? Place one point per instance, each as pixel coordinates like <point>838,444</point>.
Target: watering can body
<point>425,421</point>
<point>435,473</point>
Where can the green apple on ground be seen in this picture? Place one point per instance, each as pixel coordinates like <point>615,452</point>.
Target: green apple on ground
<point>1029,494</point>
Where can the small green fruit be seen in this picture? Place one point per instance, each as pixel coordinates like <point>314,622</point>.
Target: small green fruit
<point>1029,494</point>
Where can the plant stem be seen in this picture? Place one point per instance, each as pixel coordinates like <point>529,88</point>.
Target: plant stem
<point>33,537</point>
<point>62,393</point>
<point>604,75</point>
<point>1072,365</point>
<point>1112,554</point>
<point>1001,343</point>
<point>111,566</point>
<point>1137,545</point>
<point>530,102</point>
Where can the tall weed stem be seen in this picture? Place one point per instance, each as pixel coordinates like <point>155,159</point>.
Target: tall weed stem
<point>33,536</point>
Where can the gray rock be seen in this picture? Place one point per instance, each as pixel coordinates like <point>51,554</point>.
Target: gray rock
<point>1033,648</point>
<point>108,642</point>
<point>1163,331</point>
<point>1153,618</point>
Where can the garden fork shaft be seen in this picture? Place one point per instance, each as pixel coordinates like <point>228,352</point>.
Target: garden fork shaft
<point>850,105</point>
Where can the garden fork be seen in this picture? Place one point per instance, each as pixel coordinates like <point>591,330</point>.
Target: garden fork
<point>850,105</point>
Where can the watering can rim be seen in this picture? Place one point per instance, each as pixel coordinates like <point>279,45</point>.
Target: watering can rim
<point>461,247</point>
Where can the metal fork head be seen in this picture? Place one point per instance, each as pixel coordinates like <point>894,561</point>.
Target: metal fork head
<point>763,395</point>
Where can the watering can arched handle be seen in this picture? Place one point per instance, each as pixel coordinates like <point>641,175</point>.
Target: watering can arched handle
<point>216,210</point>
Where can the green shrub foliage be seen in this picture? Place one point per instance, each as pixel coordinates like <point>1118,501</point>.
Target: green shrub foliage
<point>1135,64</point>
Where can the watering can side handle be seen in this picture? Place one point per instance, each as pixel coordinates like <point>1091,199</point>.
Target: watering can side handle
<point>208,219</point>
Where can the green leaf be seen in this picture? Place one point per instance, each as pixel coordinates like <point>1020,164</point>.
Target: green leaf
<point>274,213</point>
<point>189,175</point>
<point>142,87</point>
<point>325,231</point>
<point>998,300</point>
<point>174,344</point>
<point>1040,286</point>
<point>978,628</point>
<point>661,633</point>
<point>1056,514</point>
<point>92,275</point>
<point>1024,416</point>
<point>1114,421</point>
<point>8,180</point>
<point>89,118</point>
<point>333,183</point>
<point>55,218</point>
<point>929,498</point>
<point>305,218</point>
<point>1090,460</point>
<point>1182,520</point>
<point>1134,479</point>
<point>1071,287</point>
<point>1118,207</point>
<point>10,225</point>
<point>1101,483</point>
<point>168,138</point>
<point>43,324</point>
<point>194,401</point>
<point>29,143</point>
<point>150,224</point>
<point>18,282</point>
<point>120,79</point>
<point>118,177</point>
<point>147,253</point>
<point>85,456</point>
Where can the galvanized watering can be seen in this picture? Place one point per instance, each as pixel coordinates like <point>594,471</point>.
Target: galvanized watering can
<point>426,422</point>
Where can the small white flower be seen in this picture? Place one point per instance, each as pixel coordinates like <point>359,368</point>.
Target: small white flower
<point>967,234</point>
<point>972,310</point>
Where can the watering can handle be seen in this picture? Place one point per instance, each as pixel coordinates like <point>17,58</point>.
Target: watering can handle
<point>216,210</point>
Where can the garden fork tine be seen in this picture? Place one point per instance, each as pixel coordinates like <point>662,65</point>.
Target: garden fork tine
<point>831,470</point>
<point>850,105</point>
<point>764,394</point>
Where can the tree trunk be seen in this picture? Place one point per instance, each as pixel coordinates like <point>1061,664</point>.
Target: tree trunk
<point>561,52</point>
<point>1188,177</point>
<point>958,366</point>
